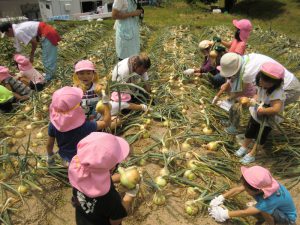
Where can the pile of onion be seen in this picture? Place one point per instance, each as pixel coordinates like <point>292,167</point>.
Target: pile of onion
<point>129,177</point>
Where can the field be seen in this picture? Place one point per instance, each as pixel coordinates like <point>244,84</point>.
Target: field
<point>171,139</point>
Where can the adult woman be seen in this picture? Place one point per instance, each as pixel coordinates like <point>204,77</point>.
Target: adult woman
<point>94,195</point>
<point>126,14</point>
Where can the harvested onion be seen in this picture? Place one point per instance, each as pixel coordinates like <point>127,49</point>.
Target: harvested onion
<point>189,175</point>
<point>159,199</point>
<point>160,181</point>
<point>19,134</point>
<point>185,146</point>
<point>191,164</point>
<point>191,208</point>
<point>212,146</point>
<point>207,130</point>
<point>39,135</point>
<point>23,190</point>
<point>129,177</point>
<point>164,172</point>
<point>192,193</point>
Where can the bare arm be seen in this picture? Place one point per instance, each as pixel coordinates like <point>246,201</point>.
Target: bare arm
<point>225,87</point>
<point>50,145</point>
<point>273,110</point>
<point>227,44</point>
<point>234,191</point>
<point>101,124</point>
<point>127,201</point>
<point>118,15</point>
<point>34,44</point>
<point>246,212</point>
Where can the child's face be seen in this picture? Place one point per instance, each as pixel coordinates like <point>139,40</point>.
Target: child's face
<point>140,70</point>
<point>265,84</point>
<point>86,76</point>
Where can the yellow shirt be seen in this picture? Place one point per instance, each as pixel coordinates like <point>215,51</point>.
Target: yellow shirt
<point>5,94</point>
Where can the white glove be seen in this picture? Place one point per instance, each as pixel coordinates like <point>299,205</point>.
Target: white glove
<point>215,99</point>
<point>252,102</point>
<point>133,192</point>
<point>144,107</point>
<point>219,214</point>
<point>188,72</point>
<point>50,159</point>
<point>105,99</point>
<point>217,201</point>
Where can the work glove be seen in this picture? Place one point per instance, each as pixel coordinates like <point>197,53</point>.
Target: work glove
<point>217,39</point>
<point>50,159</point>
<point>144,107</point>
<point>188,72</point>
<point>215,99</point>
<point>220,48</point>
<point>105,99</point>
<point>219,213</point>
<point>218,200</point>
<point>133,192</point>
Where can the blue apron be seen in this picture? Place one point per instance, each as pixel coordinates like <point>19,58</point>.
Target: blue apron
<point>128,34</point>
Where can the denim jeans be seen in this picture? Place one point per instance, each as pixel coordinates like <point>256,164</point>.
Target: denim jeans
<point>217,80</point>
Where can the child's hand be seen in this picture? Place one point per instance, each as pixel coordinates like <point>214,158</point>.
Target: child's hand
<point>98,89</point>
<point>260,111</point>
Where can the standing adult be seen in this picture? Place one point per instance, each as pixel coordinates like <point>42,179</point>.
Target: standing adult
<point>126,14</point>
<point>32,32</point>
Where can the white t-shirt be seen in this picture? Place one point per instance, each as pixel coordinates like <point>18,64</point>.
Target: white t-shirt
<point>24,32</point>
<point>115,107</point>
<point>262,97</point>
<point>252,68</point>
<point>123,74</point>
<point>120,5</point>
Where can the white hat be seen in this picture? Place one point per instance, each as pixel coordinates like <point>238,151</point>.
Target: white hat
<point>230,64</point>
<point>205,44</point>
<point>2,35</point>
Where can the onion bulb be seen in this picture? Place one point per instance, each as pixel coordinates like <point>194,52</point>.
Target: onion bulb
<point>154,91</point>
<point>213,54</point>
<point>142,127</point>
<point>159,199</point>
<point>129,177</point>
<point>146,134</point>
<point>191,164</point>
<point>192,193</point>
<point>244,100</point>
<point>160,181</point>
<point>41,164</point>
<point>35,118</point>
<point>185,146</point>
<point>147,121</point>
<point>28,127</point>
<point>34,144</point>
<point>19,134</point>
<point>164,172</point>
<point>184,111</point>
<point>189,175</point>
<point>100,107</point>
<point>212,146</point>
<point>142,162</point>
<point>44,96</point>
<point>165,150</point>
<point>166,123</point>
<point>181,89</point>
<point>45,108</point>
<point>39,135</point>
<point>27,108</point>
<point>207,130</point>
<point>191,208</point>
<point>23,190</point>
<point>188,156</point>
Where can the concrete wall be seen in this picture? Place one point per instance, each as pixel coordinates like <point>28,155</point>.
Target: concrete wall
<point>12,8</point>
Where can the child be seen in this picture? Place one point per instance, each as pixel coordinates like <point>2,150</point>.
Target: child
<point>274,201</point>
<point>68,124</point>
<point>87,79</point>
<point>239,43</point>
<point>6,100</point>
<point>270,97</point>
<point>95,198</point>
<point>36,79</point>
<point>20,90</point>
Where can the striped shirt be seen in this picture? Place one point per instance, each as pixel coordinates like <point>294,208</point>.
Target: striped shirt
<point>17,86</point>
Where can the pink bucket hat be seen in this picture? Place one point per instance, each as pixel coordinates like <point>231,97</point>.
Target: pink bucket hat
<point>84,65</point>
<point>124,97</point>
<point>273,70</point>
<point>245,28</point>
<point>260,178</point>
<point>97,153</point>
<point>23,63</point>
<point>230,64</point>
<point>4,73</point>
<point>65,111</point>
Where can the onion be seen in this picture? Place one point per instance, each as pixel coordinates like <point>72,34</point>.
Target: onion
<point>35,118</point>
<point>185,107</point>
<point>41,164</point>
<point>191,208</point>
<point>45,108</point>
<point>148,121</point>
<point>181,88</point>
<point>188,156</point>
<point>159,199</point>
<point>203,125</point>
<point>166,123</point>
<point>185,146</point>
<point>142,127</point>
<point>184,111</point>
<point>212,146</point>
<point>23,190</point>
<point>244,100</point>
<point>213,54</point>
<point>160,181</point>
<point>207,130</point>
<point>153,91</point>
<point>34,144</point>
<point>129,177</point>
<point>27,108</point>
<point>39,135</point>
<point>100,107</point>
<point>19,134</point>
<point>142,162</point>
<point>191,164</point>
<point>189,175</point>
<point>28,127</point>
<point>192,193</point>
<point>44,96</point>
<point>164,172</point>
<point>146,134</point>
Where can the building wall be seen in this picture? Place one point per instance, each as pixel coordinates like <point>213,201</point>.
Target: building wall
<point>12,8</point>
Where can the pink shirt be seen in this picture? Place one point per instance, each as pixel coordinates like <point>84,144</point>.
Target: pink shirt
<point>238,47</point>
<point>35,76</point>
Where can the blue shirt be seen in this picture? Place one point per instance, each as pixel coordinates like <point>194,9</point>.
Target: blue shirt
<point>67,141</point>
<point>280,200</point>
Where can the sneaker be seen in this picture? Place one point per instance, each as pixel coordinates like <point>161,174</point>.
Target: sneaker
<point>241,152</point>
<point>247,159</point>
<point>231,130</point>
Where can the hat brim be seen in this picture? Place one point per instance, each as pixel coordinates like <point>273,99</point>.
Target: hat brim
<point>90,183</point>
<point>25,67</point>
<point>236,23</point>
<point>229,72</point>
<point>124,147</point>
<point>84,69</point>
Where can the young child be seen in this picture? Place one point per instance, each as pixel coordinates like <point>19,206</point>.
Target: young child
<point>95,198</point>
<point>20,90</point>
<point>239,43</point>
<point>270,102</point>
<point>86,78</point>
<point>68,123</point>
<point>6,99</point>
<point>36,79</point>
<point>274,202</point>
